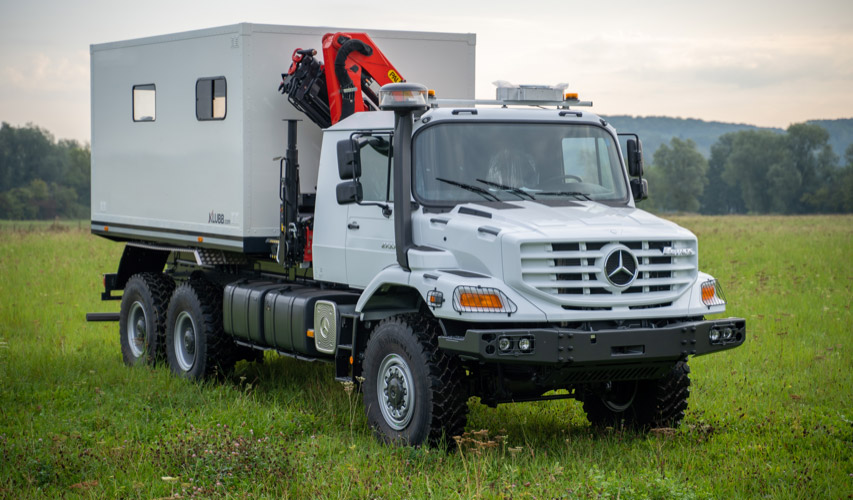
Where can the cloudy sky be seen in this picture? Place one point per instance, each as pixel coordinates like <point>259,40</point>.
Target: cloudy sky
<point>769,63</point>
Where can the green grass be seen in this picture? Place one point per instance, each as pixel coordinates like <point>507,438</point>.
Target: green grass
<point>772,418</point>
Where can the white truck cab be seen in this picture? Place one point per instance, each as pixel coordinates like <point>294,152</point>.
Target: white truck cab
<point>535,199</point>
<point>521,240</point>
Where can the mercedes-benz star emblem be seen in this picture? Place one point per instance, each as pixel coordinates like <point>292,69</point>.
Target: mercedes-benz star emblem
<point>620,267</point>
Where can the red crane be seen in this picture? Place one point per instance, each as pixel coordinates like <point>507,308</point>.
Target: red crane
<point>329,94</point>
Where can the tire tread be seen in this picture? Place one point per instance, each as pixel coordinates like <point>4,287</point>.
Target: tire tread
<point>220,353</point>
<point>158,287</point>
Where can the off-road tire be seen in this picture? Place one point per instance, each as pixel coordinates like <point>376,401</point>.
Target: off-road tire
<point>142,318</point>
<point>643,404</point>
<point>205,350</point>
<point>438,409</point>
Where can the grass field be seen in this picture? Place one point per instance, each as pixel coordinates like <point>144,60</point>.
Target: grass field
<point>773,418</point>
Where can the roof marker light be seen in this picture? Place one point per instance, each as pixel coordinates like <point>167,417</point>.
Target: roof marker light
<point>403,96</point>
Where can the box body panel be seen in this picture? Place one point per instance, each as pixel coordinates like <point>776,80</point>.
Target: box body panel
<point>166,173</point>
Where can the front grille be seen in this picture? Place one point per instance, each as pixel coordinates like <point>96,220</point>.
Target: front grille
<point>576,273</point>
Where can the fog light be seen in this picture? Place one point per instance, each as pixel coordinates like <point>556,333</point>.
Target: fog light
<point>525,344</point>
<point>504,344</point>
<point>727,333</point>
<point>714,335</point>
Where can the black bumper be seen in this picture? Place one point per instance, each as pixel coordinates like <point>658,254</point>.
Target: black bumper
<point>562,346</point>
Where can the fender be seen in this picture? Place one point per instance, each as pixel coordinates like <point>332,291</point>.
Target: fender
<point>395,291</point>
<point>387,294</point>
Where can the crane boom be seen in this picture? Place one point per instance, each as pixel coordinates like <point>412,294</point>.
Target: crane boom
<point>329,94</point>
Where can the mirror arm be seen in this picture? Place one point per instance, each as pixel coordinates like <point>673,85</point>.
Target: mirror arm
<point>386,210</point>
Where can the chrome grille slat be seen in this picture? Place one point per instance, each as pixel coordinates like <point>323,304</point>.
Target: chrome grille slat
<point>649,268</point>
<point>660,281</point>
<point>564,255</point>
<point>560,270</point>
<point>565,283</point>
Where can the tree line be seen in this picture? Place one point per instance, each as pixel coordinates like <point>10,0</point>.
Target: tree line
<point>753,171</point>
<point>749,171</point>
<point>40,177</point>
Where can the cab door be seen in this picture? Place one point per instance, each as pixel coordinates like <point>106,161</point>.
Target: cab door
<point>370,223</point>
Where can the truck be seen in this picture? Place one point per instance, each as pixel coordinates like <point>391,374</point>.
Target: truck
<point>431,249</point>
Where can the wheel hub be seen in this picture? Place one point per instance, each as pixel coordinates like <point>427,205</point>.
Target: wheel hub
<point>189,341</point>
<point>185,340</point>
<point>396,391</point>
<point>136,334</point>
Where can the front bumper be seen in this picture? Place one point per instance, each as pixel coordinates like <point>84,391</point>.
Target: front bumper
<point>563,346</point>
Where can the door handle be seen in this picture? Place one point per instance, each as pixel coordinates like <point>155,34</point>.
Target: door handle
<point>352,225</point>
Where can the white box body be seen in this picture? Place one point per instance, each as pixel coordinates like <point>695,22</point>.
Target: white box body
<point>179,180</point>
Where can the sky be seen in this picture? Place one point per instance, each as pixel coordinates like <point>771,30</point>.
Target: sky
<point>761,62</point>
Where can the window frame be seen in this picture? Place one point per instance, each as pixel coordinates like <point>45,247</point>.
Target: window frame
<point>142,86</point>
<point>211,80</point>
<point>387,134</point>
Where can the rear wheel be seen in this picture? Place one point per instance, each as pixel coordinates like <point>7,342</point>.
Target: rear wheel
<point>412,390</point>
<point>641,404</point>
<point>142,319</point>
<point>196,344</point>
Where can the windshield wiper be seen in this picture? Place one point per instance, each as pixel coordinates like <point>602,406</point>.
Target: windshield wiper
<point>566,193</point>
<point>474,189</point>
<point>512,189</point>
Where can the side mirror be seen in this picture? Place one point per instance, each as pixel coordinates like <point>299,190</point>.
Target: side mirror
<point>349,192</point>
<point>640,189</point>
<point>635,158</point>
<point>349,162</point>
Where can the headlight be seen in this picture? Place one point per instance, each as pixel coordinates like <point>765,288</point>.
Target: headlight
<point>480,299</point>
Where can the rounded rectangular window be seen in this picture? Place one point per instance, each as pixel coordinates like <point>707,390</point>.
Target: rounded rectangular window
<point>144,103</point>
<point>210,95</point>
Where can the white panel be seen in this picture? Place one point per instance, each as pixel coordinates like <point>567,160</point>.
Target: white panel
<point>370,244</point>
<point>174,171</point>
<point>268,56</point>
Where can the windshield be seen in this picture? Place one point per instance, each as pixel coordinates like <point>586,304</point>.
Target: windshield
<point>466,162</point>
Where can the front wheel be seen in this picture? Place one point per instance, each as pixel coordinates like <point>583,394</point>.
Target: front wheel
<point>642,404</point>
<point>413,392</point>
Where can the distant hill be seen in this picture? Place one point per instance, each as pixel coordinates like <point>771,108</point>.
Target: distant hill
<point>840,134</point>
<point>657,130</point>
